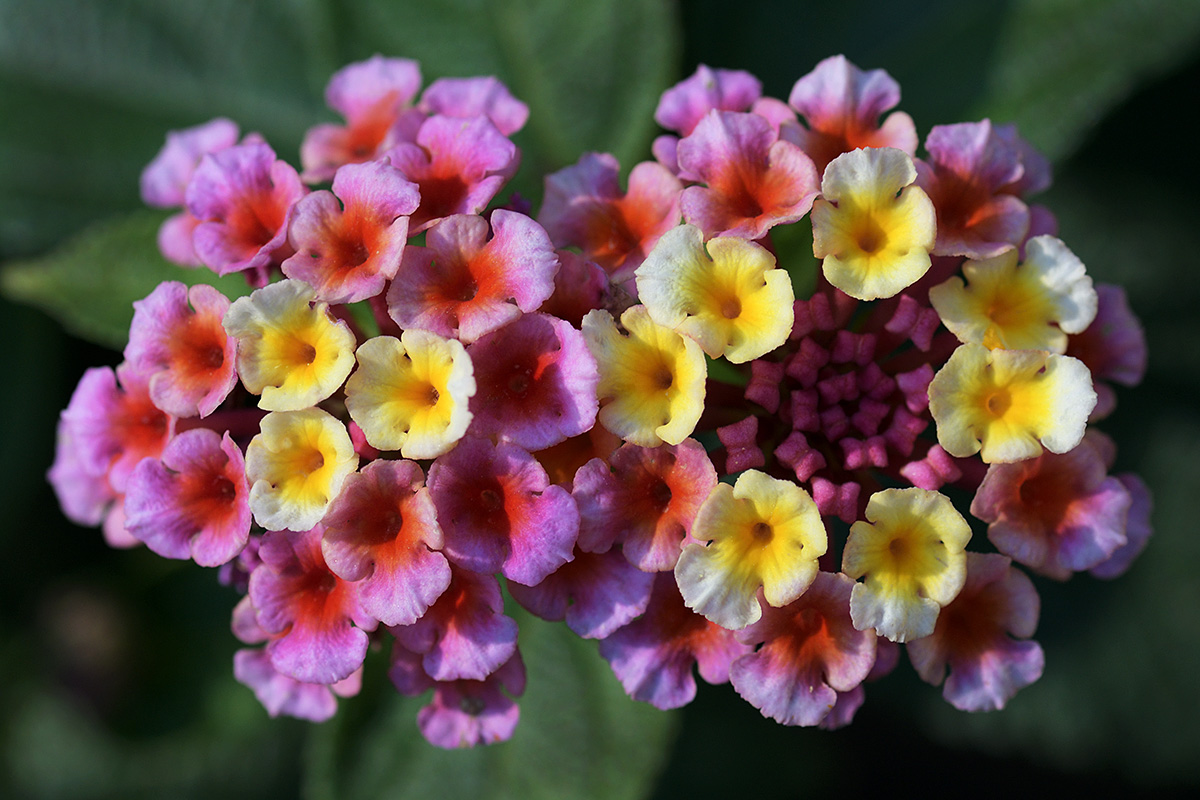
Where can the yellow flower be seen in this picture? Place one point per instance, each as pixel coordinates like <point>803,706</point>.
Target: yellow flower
<point>296,465</point>
<point>871,227</point>
<point>731,299</point>
<point>651,387</point>
<point>761,532</point>
<point>289,350</point>
<point>412,394</point>
<point>1030,306</point>
<point>911,550</point>
<point>1007,404</point>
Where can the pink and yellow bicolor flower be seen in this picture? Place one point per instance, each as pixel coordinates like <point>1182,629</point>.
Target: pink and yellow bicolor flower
<point>731,299</point>
<point>296,466</point>
<point>762,532</point>
<point>911,548</point>
<point>1007,405</point>
<point>871,226</point>
<point>289,349</point>
<point>651,387</point>
<point>1028,306</point>
<point>412,394</point>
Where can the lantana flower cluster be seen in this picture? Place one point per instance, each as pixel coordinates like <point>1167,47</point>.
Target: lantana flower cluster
<point>617,413</point>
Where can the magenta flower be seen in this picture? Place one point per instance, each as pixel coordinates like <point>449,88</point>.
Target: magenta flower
<point>475,97</point>
<point>810,654</point>
<point>348,254</point>
<point>584,207</point>
<point>86,499</point>
<point>1113,347</point>
<point>463,713</point>
<point>281,695</point>
<point>371,95</point>
<point>460,165</point>
<point>535,383</point>
<point>465,634</point>
<point>311,613</point>
<point>382,532</point>
<point>113,423</point>
<point>974,638</point>
<point>645,498</point>
<point>681,107</point>
<point>596,593</point>
<point>177,339</point>
<point>653,656</point>
<point>1056,514</point>
<point>463,284</point>
<point>755,180</point>
<point>499,511</point>
<point>968,177</point>
<point>1137,529</point>
<point>842,105</point>
<point>242,196</point>
<point>579,286</point>
<point>193,502</point>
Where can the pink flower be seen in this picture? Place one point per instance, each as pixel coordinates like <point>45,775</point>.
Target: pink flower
<point>382,532</point>
<point>463,284</point>
<point>371,95</point>
<point>842,105</point>
<point>460,165</point>
<point>348,254</point>
<point>755,180</point>
<point>535,383</point>
<point>242,196</point>
<point>193,502</point>
<point>177,339</point>
<point>1113,347</point>
<point>585,208</point>
<point>475,97</point>
<point>982,637</point>
<point>653,656</point>
<point>310,613</point>
<point>281,695</point>
<point>499,511</point>
<point>681,107</point>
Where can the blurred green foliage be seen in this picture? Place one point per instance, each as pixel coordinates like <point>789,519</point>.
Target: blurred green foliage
<point>116,665</point>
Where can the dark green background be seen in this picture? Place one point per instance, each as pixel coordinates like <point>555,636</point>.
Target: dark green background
<point>115,667</point>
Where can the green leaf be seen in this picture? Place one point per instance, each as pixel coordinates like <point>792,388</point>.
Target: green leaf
<point>579,736</point>
<point>90,283</point>
<point>1059,66</point>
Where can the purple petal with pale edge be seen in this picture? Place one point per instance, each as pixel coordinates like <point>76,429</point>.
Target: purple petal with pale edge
<point>382,531</point>
<point>358,87</point>
<point>164,180</point>
<point>595,593</point>
<point>468,713</point>
<point>536,383</point>
<point>575,193</point>
<point>682,106</point>
<point>85,498</point>
<point>175,239</point>
<point>498,511</point>
<point>308,608</point>
<point>471,97</point>
<point>579,286</point>
<point>986,666</point>
<point>1036,172</point>
<point>975,149</point>
<point>1137,529</point>
<point>244,623</point>
<point>465,634</point>
<point>837,90</point>
<point>280,694</point>
<point>194,502</point>
<point>652,657</point>
<point>844,709</point>
<point>788,678</point>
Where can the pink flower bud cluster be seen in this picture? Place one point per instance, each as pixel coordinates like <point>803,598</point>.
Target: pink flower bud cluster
<point>405,412</point>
